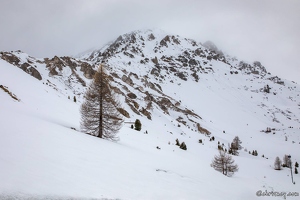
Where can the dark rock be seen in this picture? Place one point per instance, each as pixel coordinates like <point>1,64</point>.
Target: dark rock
<point>127,80</point>
<point>146,113</point>
<point>132,95</point>
<point>151,37</point>
<point>123,112</point>
<point>10,58</point>
<point>164,42</point>
<point>35,73</point>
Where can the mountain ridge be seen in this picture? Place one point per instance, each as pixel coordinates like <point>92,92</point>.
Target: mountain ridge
<point>155,55</point>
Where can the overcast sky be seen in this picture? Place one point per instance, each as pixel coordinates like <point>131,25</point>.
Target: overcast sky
<point>263,30</point>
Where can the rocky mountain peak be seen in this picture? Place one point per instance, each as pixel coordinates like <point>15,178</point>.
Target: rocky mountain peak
<point>143,65</point>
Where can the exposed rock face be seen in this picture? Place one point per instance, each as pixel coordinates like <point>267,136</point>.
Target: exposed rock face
<point>131,95</point>
<point>151,37</point>
<point>146,113</point>
<point>26,67</point>
<point>11,58</point>
<point>33,72</point>
<point>87,70</point>
<point>5,89</point>
<point>124,112</point>
<point>255,68</point>
<point>164,42</point>
<point>127,80</point>
<point>54,65</point>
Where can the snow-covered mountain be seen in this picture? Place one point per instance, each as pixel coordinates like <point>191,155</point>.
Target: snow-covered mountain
<point>179,89</point>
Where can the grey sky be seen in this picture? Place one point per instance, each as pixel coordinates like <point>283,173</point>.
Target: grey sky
<point>264,30</point>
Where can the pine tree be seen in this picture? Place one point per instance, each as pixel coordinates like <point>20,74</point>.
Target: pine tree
<point>138,125</point>
<point>277,163</point>
<point>233,150</point>
<point>74,99</point>
<point>296,170</point>
<point>177,142</point>
<point>296,164</point>
<point>99,114</point>
<point>183,146</point>
<point>224,163</point>
<point>235,146</point>
<point>237,143</point>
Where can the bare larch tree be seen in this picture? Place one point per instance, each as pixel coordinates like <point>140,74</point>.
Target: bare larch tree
<point>286,161</point>
<point>224,163</point>
<point>99,112</point>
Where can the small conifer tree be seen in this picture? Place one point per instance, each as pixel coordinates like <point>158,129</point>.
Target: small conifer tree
<point>183,146</point>
<point>296,164</point>
<point>277,163</point>
<point>177,142</point>
<point>75,99</point>
<point>296,170</point>
<point>138,125</point>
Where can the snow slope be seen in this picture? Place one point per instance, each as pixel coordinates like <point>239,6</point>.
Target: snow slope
<point>41,156</point>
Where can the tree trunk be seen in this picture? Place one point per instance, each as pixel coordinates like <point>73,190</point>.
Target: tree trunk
<point>101,105</point>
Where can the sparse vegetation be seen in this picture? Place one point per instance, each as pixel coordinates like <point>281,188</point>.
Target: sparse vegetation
<point>224,163</point>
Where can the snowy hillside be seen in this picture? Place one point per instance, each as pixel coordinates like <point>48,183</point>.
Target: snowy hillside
<point>179,89</point>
